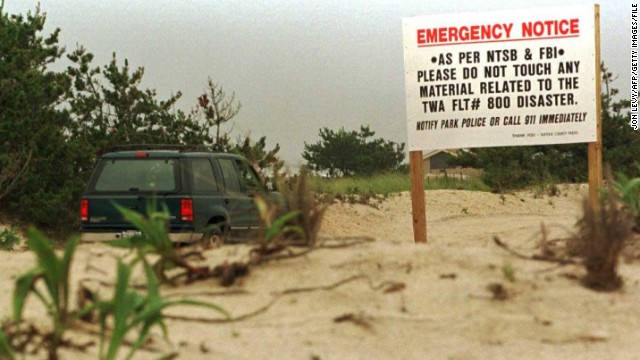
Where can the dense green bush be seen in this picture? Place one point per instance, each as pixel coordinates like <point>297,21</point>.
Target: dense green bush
<point>31,122</point>
<point>349,153</point>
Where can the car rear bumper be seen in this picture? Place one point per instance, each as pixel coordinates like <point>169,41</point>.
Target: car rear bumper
<point>107,236</point>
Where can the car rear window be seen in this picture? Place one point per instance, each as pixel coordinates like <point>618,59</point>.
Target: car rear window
<point>137,175</point>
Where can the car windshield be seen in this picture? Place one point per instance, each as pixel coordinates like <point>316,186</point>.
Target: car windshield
<point>157,175</point>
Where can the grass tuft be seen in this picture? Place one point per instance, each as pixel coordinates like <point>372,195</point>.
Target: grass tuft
<point>601,237</point>
<point>389,183</point>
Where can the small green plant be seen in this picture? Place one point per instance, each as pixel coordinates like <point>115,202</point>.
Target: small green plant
<point>276,227</point>
<point>545,188</point>
<point>8,239</point>
<point>6,350</point>
<point>465,210</point>
<point>301,199</point>
<point>130,310</point>
<point>553,190</point>
<point>538,191</point>
<point>629,191</point>
<point>53,272</point>
<point>508,271</point>
<point>154,239</point>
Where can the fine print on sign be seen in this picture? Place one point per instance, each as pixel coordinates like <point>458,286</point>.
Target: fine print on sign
<point>503,78</point>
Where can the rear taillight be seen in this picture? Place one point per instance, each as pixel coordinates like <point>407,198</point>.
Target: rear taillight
<point>84,210</point>
<point>186,209</point>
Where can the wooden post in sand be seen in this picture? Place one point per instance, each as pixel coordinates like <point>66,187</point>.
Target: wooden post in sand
<point>594,153</point>
<point>416,167</point>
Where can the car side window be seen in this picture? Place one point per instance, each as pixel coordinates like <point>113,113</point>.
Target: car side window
<point>230,176</point>
<point>248,177</point>
<point>203,179</point>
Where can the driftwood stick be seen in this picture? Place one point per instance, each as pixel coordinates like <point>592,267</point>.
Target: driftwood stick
<point>322,287</point>
<point>265,307</point>
<point>546,258</point>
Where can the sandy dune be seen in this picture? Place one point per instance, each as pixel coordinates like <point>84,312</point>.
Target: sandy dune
<point>383,297</point>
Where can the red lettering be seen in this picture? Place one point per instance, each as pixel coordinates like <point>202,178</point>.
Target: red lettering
<point>526,29</point>
<point>453,34</point>
<point>421,37</point>
<point>496,33</point>
<point>474,32</point>
<point>464,33</point>
<point>486,31</point>
<point>432,36</point>
<point>458,34</point>
<point>575,26</point>
<point>550,28</point>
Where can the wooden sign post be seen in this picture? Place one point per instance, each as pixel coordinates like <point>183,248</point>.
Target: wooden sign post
<point>594,150</point>
<point>416,170</point>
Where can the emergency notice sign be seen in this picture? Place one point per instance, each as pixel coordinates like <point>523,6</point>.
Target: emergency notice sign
<point>505,78</point>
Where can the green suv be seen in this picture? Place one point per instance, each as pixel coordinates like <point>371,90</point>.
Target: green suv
<point>210,196</point>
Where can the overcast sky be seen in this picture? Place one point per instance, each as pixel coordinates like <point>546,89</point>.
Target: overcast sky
<point>295,66</point>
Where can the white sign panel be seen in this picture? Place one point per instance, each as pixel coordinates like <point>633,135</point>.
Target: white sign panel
<point>503,78</point>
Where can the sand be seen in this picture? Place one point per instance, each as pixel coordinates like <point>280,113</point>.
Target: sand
<point>380,296</point>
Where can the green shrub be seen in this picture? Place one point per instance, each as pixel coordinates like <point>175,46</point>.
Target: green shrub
<point>629,191</point>
<point>8,239</point>
<point>350,153</point>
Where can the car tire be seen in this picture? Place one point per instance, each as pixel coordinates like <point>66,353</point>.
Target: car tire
<point>213,236</point>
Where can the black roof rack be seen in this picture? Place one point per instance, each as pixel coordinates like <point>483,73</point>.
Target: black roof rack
<point>178,147</point>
